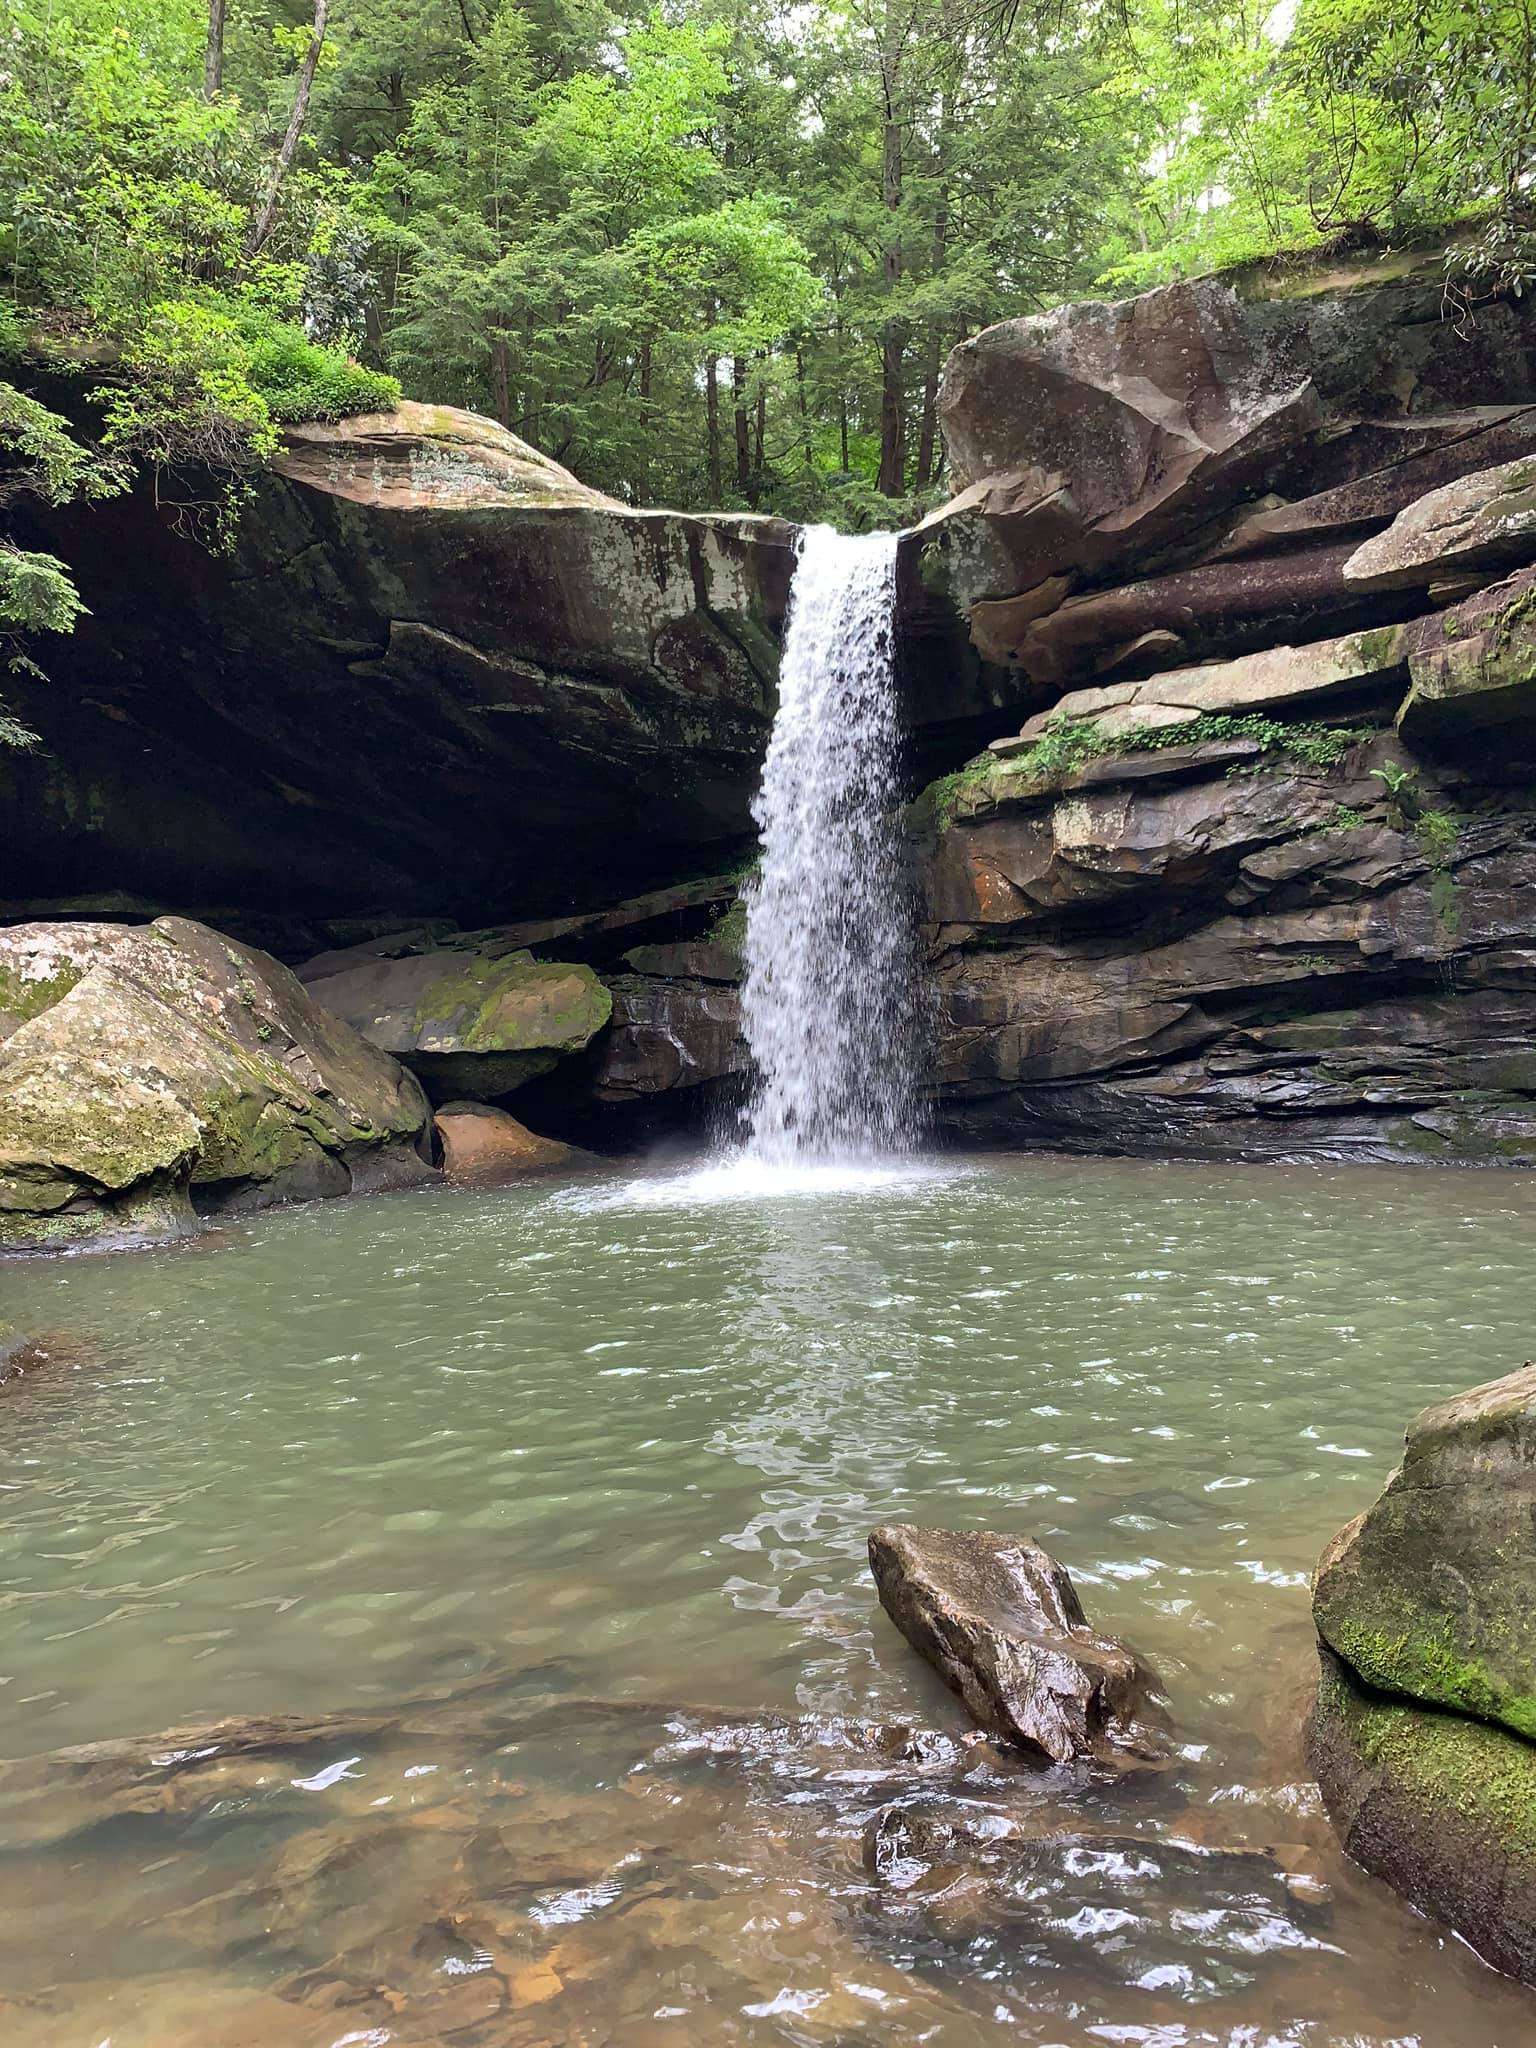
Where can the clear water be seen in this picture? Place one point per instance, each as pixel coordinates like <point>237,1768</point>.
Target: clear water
<point>830,1000</point>
<point>588,1471</point>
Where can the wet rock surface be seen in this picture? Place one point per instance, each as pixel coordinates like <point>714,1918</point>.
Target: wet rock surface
<point>511,1862</point>
<point>1421,1735</point>
<point>1000,1621</point>
<point>149,1075</point>
<point>1439,1806</point>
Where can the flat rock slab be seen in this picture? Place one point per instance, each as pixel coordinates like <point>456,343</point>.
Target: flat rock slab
<point>1000,1621</point>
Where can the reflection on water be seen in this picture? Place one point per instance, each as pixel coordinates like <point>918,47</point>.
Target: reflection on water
<point>585,1474</point>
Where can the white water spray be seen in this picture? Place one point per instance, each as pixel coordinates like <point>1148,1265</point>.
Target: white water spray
<point>830,1001</point>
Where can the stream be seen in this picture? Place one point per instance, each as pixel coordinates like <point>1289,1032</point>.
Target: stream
<point>547,1509</point>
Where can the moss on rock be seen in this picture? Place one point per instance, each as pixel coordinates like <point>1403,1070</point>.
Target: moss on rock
<point>1440,1806</point>
<point>1427,1594</point>
<point>171,1056</point>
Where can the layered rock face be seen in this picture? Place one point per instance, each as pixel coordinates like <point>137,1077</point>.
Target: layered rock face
<point>1254,878</point>
<point>1422,1735</point>
<point>438,675</point>
<point>151,1075</point>
<point>613,1025</point>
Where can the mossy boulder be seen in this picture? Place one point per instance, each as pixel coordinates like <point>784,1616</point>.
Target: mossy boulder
<point>1431,1593</point>
<point>1421,1737</point>
<point>149,1074</point>
<point>469,1022</point>
<point>1438,1805</point>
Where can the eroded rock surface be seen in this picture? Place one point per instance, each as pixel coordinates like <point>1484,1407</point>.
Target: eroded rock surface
<point>151,1073</point>
<point>1000,1621</point>
<point>439,676</point>
<point>468,1019</point>
<point>1205,469</point>
<point>1227,949</point>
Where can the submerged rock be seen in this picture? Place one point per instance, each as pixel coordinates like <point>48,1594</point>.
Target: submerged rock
<point>26,1353</point>
<point>1095,1903</point>
<point>149,1074</point>
<point>1000,1621</point>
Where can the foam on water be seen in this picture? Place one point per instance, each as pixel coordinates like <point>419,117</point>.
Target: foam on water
<point>743,1176</point>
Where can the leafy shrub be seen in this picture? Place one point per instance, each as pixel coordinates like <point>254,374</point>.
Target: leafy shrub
<point>301,379</point>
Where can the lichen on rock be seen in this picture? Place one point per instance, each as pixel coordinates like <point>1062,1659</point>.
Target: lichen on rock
<point>168,1060</point>
<point>468,1020</point>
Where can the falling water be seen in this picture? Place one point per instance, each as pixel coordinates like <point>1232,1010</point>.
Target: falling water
<point>830,1002</point>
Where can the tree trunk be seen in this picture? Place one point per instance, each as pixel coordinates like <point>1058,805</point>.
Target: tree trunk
<point>743,431</point>
<point>501,379</point>
<point>213,54</point>
<point>807,456</point>
<point>928,431</point>
<point>261,227</point>
<point>893,335</point>
<point>712,432</point>
<point>759,427</point>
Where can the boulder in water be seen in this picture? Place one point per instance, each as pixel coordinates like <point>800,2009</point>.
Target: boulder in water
<point>1439,1806</point>
<point>482,1146</point>
<point>150,1073</point>
<point>1423,1735</point>
<point>999,1619</point>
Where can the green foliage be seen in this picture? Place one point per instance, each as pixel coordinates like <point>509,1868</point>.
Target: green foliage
<point>714,253</point>
<point>730,927</point>
<point>41,459</point>
<point>1339,124</point>
<point>1068,744</point>
<point>298,379</point>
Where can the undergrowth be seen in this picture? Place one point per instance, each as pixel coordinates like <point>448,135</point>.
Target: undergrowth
<point>1071,743</point>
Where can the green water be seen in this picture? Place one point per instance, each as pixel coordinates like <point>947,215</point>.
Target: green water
<point>621,1442</point>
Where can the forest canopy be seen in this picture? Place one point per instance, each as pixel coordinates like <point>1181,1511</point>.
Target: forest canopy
<point>709,254</point>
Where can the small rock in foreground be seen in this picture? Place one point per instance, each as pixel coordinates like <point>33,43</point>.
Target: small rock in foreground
<point>1000,1621</point>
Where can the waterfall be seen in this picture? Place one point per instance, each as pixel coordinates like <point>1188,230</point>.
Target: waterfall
<point>830,1002</point>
